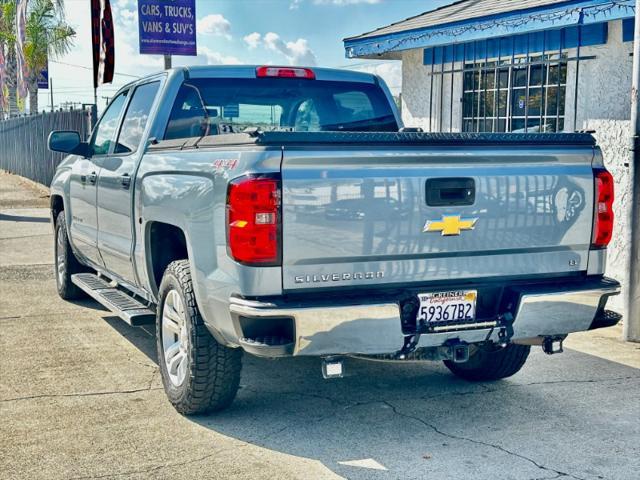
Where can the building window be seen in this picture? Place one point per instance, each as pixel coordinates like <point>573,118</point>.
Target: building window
<point>519,94</point>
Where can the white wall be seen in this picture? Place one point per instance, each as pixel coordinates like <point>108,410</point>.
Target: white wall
<point>604,105</point>
<point>604,87</point>
<point>416,95</point>
<point>613,140</point>
<point>604,84</point>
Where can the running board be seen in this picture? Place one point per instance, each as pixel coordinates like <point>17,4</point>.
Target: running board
<point>129,309</point>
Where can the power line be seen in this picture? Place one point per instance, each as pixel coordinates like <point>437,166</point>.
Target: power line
<point>90,68</point>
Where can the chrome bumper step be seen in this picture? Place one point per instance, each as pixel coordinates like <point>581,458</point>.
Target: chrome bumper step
<point>127,308</point>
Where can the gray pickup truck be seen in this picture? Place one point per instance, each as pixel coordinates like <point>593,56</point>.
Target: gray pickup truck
<point>284,211</point>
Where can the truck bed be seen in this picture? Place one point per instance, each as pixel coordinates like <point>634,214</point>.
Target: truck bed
<point>378,139</point>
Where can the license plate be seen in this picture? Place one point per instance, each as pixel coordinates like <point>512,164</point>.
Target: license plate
<point>453,306</point>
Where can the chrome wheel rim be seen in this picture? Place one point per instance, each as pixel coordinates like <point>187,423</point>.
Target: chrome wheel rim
<point>175,338</point>
<point>60,263</point>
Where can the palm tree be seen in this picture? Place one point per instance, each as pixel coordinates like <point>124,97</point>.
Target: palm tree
<point>47,35</point>
<point>8,43</point>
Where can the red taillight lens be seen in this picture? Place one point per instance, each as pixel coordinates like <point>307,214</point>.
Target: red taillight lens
<point>603,220</point>
<point>253,220</point>
<point>285,72</point>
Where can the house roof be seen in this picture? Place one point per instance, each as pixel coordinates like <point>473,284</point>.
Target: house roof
<point>456,12</point>
<point>472,20</point>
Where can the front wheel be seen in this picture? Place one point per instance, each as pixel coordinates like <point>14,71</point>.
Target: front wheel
<point>66,264</point>
<point>491,363</point>
<point>199,374</point>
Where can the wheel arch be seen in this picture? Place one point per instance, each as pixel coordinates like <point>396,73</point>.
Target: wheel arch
<point>165,243</point>
<point>56,206</point>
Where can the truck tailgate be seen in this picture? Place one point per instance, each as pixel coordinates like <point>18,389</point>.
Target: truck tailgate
<point>378,215</point>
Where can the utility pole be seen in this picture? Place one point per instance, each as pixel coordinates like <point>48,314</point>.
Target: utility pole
<point>51,91</point>
<point>632,322</point>
<point>167,62</point>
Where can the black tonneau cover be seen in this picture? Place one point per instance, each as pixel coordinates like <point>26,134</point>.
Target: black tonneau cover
<point>377,138</point>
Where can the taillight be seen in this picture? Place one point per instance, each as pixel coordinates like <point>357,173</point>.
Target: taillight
<point>603,219</point>
<point>253,220</point>
<point>285,72</point>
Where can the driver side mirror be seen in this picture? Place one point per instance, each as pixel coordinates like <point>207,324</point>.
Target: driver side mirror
<point>68,142</point>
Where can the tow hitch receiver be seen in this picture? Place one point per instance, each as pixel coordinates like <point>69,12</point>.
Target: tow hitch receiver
<point>332,367</point>
<point>460,353</point>
<point>552,345</point>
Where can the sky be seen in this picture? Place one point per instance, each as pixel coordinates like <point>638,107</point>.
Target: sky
<point>282,32</point>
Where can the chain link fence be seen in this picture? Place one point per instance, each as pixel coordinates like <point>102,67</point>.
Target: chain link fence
<point>23,142</point>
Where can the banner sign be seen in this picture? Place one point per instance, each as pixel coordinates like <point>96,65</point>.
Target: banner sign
<point>231,111</point>
<point>102,42</point>
<point>43,79</point>
<point>167,27</point>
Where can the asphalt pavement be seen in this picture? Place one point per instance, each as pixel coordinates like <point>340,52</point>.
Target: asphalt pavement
<point>81,398</point>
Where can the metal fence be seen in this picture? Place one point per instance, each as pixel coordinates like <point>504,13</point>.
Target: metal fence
<point>23,142</point>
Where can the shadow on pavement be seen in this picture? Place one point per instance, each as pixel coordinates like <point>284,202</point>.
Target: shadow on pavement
<point>143,338</point>
<point>418,421</point>
<point>23,218</point>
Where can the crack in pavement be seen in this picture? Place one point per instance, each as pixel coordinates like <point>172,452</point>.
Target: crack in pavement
<point>519,385</point>
<point>559,473</point>
<point>153,376</point>
<point>348,405</point>
<point>43,315</point>
<point>80,394</point>
<point>19,237</point>
<point>157,468</point>
<point>154,468</point>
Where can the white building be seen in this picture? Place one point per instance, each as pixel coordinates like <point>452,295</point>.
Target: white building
<point>527,66</point>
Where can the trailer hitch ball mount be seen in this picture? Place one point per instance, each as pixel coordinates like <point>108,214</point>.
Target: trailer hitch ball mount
<point>332,367</point>
<point>460,353</point>
<point>553,345</point>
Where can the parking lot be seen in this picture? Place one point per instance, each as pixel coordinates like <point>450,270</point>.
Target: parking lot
<point>81,397</point>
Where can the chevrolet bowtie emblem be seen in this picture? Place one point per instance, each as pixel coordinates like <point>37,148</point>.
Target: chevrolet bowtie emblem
<point>450,225</point>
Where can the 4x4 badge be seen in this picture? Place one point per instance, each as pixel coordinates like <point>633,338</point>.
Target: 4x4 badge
<point>450,225</point>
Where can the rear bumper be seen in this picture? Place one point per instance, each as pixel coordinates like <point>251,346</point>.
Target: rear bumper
<point>333,329</point>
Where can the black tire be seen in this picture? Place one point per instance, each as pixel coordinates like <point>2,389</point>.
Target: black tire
<point>212,371</point>
<point>65,262</point>
<point>491,363</point>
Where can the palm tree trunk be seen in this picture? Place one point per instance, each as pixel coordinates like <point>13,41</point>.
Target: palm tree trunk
<point>2,47</point>
<point>12,82</point>
<point>33,95</point>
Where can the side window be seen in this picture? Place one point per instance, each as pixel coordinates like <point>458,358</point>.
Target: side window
<point>135,120</point>
<point>354,106</point>
<point>189,117</point>
<point>106,130</point>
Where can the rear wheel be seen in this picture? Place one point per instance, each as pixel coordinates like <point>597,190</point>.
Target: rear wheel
<point>491,363</point>
<point>66,264</point>
<point>199,374</point>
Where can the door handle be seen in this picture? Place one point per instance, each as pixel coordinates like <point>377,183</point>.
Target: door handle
<point>92,177</point>
<point>125,180</point>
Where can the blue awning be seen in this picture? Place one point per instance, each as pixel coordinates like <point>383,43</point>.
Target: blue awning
<point>534,42</point>
<point>585,12</point>
<point>628,26</point>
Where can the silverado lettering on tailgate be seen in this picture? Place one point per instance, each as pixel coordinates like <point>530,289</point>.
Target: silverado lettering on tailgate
<point>337,277</point>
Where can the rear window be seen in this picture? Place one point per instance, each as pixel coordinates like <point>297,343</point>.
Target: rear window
<point>221,106</point>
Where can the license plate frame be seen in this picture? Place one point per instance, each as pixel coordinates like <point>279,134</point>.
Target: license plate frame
<point>447,307</point>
